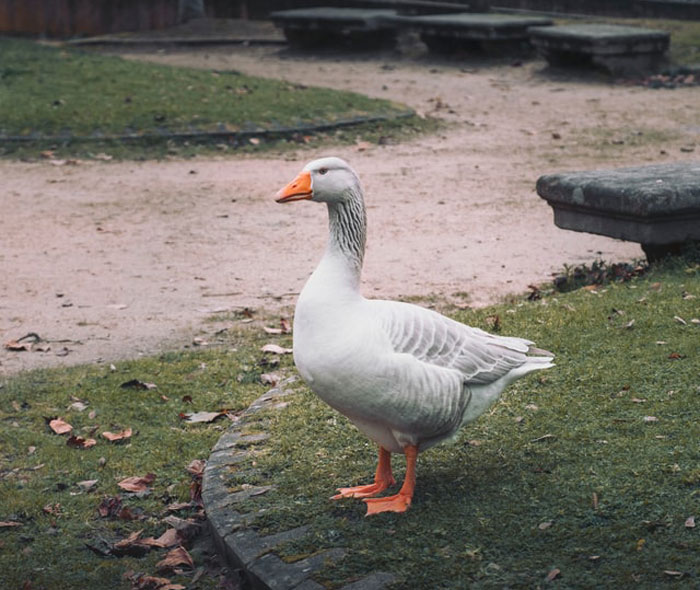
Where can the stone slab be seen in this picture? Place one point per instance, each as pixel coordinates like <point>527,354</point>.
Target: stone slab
<point>620,49</point>
<point>329,16</point>
<point>657,206</point>
<point>473,26</point>
<point>352,28</point>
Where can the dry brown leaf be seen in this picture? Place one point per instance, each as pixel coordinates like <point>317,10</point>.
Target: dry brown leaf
<point>270,379</point>
<point>272,330</point>
<point>60,426</point>
<point>137,484</point>
<point>78,442</point>
<point>276,349</point>
<point>286,326</point>
<point>177,557</point>
<point>553,575</point>
<point>169,538</point>
<point>198,417</point>
<point>9,523</point>
<point>137,384</point>
<point>87,485</point>
<point>117,436</point>
<point>690,522</point>
<point>196,467</point>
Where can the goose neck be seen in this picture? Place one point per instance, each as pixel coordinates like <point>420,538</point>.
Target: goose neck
<point>347,233</point>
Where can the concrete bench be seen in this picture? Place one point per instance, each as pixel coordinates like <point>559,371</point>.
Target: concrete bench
<point>621,50</point>
<point>350,28</point>
<point>447,33</point>
<point>657,206</point>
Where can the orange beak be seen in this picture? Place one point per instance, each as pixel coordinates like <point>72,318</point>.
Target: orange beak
<point>297,190</point>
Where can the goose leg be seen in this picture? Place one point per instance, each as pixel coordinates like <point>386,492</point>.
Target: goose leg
<point>401,501</point>
<point>383,478</point>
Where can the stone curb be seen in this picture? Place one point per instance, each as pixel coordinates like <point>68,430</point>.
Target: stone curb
<point>184,41</point>
<point>238,543</point>
<point>223,134</point>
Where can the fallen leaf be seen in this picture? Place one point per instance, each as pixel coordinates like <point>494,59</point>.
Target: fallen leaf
<point>650,419</point>
<point>175,506</point>
<point>110,506</point>
<point>543,437</point>
<point>543,526</point>
<point>9,523</point>
<point>272,330</point>
<point>199,417</point>
<point>690,522</point>
<point>674,573</point>
<point>133,545</point>
<point>361,146</point>
<point>169,538</point>
<point>17,345</point>
<point>54,509</point>
<point>60,426</point>
<point>137,484</point>
<point>177,557</point>
<point>276,349</point>
<point>78,442</point>
<point>286,326</point>
<point>144,582</point>
<point>78,406</point>
<point>87,485</point>
<point>137,384</point>
<point>196,467</point>
<point>553,575</point>
<point>680,320</point>
<point>118,436</point>
<point>270,379</point>
<point>675,356</point>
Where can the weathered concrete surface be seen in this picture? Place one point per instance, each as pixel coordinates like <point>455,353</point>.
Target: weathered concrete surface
<point>657,206</point>
<point>621,50</point>
<point>445,33</point>
<point>349,27</point>
<point>474,26</point>
<point>234,533</point>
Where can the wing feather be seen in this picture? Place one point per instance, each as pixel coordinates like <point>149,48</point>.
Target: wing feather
<point>437,340</point>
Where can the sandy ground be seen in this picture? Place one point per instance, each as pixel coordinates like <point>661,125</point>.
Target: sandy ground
<point>111,260</point>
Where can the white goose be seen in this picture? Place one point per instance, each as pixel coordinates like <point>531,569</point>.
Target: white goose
<point>406,376</point>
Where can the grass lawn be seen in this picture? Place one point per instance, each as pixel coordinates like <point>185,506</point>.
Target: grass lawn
<point>68,93</point>
<point>591,468</point>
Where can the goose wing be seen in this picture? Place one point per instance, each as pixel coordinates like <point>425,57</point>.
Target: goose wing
<point>432,338</point>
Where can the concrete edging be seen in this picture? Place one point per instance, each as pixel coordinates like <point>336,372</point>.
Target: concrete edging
<point>237,541</point>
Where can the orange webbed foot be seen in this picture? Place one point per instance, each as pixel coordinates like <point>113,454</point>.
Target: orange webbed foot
<point>398,503</point>
<point>363,491</point>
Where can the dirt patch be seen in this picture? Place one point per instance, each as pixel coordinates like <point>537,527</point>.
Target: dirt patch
<point>110,260</point>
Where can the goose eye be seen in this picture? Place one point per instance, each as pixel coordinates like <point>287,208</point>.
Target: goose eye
<point>322,170</point>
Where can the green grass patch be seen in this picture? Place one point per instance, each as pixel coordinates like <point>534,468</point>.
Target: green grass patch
<point>590,468</point>
<point>39,473</point>
<point>567,472</point>
<point>69,95</point>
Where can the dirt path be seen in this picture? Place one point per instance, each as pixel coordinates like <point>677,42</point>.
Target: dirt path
<point>112,260</point>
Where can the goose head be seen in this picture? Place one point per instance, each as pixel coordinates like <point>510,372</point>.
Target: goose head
<point>326,180</point>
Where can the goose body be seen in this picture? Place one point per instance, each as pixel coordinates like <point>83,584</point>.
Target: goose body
<point>406,376</point>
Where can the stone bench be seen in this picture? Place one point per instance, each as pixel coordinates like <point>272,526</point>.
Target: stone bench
<point>621,50</point>
<point>350,28</point>
<point>657,206</point>
<point>447,33</point>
